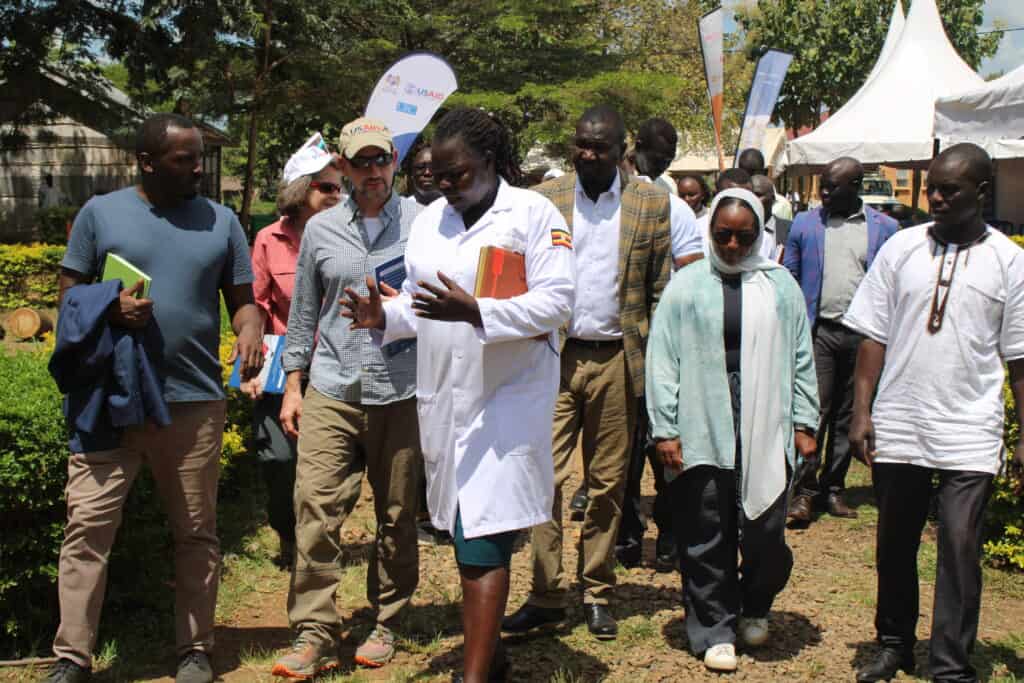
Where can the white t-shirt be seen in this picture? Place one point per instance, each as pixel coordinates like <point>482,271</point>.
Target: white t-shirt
<point>374,227</point>
<point>940,397</point>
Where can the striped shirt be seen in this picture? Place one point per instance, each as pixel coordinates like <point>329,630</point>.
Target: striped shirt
<point>336,253</point>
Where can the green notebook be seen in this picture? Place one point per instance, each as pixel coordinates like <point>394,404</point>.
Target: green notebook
<point>117,268</point>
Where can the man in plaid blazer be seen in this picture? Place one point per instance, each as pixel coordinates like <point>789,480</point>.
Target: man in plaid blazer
<point>620,231</point>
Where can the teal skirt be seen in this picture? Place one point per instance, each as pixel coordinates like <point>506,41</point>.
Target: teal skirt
<point>485,551</point>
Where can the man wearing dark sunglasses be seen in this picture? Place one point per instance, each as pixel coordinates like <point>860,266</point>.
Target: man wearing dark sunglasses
<point>358,413</point>
<point>828,252</point>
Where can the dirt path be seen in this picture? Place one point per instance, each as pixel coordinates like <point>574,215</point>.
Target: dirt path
<point>821,624</point>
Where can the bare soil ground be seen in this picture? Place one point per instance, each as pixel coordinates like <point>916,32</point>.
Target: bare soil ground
<point>822,624</point>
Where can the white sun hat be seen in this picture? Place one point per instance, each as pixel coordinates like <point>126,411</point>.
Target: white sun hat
<point>311,158</point>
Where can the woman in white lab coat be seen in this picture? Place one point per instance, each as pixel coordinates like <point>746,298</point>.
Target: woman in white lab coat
<point>486,384</point>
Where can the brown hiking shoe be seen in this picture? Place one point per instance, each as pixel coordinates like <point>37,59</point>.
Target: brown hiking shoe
<point>306,660</point>
<point>378,648</point>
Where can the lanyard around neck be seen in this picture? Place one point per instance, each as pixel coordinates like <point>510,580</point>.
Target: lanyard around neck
<point>944,283</point>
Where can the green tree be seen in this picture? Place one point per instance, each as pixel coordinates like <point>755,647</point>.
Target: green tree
<point>836,42</point>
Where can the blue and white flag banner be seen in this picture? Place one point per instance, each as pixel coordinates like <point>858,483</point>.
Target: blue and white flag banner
<point>764,93</point>
<point>408,95</point>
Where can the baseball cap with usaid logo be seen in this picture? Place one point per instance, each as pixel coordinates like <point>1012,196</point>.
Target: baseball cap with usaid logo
<point>364,132</point>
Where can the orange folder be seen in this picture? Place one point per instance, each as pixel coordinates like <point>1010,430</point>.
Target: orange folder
<point>500,274</point>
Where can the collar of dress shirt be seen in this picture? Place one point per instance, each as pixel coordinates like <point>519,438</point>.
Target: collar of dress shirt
<point>502,201</point>
<point>283,230</point>
<point>388,213</point>
<point>614,190</point>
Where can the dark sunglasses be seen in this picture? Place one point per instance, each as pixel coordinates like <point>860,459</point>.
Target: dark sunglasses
<point>723,236</point>
<point>380,161</point>
<point>325,187</point>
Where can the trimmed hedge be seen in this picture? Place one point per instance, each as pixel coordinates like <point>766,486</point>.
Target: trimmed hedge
<point>28,275</point>
<point>33,472</point>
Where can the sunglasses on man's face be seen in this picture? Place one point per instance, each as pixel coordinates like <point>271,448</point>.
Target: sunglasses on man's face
<point>380,160</point>
<point>723,236</point>
<point>325,187</point>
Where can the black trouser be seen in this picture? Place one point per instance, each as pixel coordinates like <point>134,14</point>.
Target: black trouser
<point>633,525</point>
<point>712,528</point>
<point>835,354</point>
<point>716,592</point>
<point>277,455</point>
<point>903,493</point>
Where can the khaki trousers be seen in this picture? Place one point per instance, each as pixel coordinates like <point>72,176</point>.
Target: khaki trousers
<point>337,440</point>
<point>185,461</point>
<point>594,401</point>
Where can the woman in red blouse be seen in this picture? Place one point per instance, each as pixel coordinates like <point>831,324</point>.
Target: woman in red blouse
<point>311,183</point>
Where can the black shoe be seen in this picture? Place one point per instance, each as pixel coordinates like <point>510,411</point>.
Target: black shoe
<point>667,558</point>
<point>194,667</point>
<point>629,555</point>
<point>530,617</point>
<point>600,622</point>
<point>578,504</point>
<point>66,671</point>
<point>886,664</point>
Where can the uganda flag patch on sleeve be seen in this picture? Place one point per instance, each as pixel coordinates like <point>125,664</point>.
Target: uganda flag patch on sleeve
<point>561,238</point>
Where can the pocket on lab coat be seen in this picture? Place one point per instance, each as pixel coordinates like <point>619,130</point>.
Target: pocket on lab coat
<point>525,426</point>
<point>435,426</point>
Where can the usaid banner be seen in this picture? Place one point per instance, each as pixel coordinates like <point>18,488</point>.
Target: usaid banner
<point>408,95</point>
<point>764,93</point>
<point>710,28</point>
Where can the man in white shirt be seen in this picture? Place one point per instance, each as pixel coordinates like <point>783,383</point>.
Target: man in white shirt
<point>942,308</point>
<point>49,194</point>
<point>620,232</point>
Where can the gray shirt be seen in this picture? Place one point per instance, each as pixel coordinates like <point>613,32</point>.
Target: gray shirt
<point>336,253</point>
<point>191,252</point>
<point>846,257</point>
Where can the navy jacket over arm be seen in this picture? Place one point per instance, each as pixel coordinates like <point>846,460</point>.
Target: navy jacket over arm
<point>108,374</point>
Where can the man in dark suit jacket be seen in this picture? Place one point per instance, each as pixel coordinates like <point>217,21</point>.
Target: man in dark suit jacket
<point>829,251</point>
<point>620,231</point>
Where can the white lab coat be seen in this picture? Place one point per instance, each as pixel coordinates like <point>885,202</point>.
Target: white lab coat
<point>486,396</point>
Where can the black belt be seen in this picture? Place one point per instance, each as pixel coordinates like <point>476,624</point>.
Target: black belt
<point>595,344</point>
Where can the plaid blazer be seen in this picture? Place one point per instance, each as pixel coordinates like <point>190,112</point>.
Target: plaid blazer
<point>645,259</point>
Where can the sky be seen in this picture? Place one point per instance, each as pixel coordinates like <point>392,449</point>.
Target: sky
<point>1011,49</point>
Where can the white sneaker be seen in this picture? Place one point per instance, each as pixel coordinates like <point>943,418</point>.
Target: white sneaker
<point>754,631</point>
<point>721,657</point>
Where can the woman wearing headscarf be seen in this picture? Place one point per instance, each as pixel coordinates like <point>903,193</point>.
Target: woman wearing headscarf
<point>733,401</point>
<point>311,182</point>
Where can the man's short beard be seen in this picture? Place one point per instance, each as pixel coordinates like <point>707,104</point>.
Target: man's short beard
<point>360,192</point>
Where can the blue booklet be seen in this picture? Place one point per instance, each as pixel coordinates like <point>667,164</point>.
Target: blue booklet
<point>392,273</point>
<point>271,377</point>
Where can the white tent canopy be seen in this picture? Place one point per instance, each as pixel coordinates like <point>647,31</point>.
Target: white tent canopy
<point>889,120</point>
<point>991,116</point>
<point>892,36</point>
